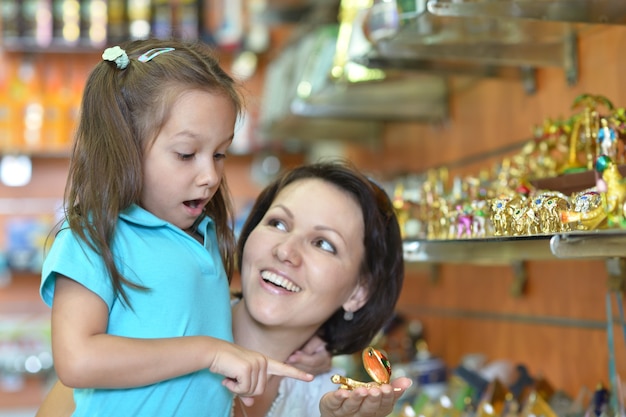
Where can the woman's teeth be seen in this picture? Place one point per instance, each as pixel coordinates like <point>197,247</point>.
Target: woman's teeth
<point>280,281</point>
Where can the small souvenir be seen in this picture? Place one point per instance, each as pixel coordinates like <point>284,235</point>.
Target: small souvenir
<point>511,406</point>
<point>460,392</point>
<point>610,213</point>
<point>464,221</point>
<point>607,140</point>
<point>500,215</point>
<point>493,400</point>
<point>599,404</point>
<point>548,206</point>
<point>583,137</point>
<point>536,405</point>
<point>523,383</point>
<point>377,366</point>
<point>524,221</point>
<point>544,388</point>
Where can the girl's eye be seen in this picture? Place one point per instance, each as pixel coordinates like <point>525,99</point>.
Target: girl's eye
<point>185,156</point>
<point>219,156</point>
<point>325,245</point>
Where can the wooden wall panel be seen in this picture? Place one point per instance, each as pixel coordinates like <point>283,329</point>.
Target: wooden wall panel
<point>556,328</point>
<point>469,309</point>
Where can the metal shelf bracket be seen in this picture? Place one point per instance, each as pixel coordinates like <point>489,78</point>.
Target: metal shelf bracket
<point>616,269</point>
<point>570,57</point>
<point>520,278</point>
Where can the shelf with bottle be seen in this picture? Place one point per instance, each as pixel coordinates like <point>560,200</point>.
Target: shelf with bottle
<point>86,26</point>
<point>26,367</point>
<point>39,109</point>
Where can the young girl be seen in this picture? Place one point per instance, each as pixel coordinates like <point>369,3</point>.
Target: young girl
<point>137,276</point>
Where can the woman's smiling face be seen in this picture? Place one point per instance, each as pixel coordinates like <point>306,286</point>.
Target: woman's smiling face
<point>302,261</point>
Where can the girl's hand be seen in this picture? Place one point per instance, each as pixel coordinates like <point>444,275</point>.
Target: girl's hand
<point>364,402</point>
<point>312,358</point>
<point>247,371</point>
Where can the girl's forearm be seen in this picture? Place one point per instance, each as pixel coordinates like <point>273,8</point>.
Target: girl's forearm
<point>106,361</point>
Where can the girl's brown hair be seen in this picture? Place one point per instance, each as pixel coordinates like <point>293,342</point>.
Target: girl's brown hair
<point>122,112</point>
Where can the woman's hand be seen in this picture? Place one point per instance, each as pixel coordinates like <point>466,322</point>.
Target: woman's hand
<point>364,402</point>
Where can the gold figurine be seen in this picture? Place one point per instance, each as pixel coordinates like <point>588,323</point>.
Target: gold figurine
<point>377,366</point>
<point>611,212</point>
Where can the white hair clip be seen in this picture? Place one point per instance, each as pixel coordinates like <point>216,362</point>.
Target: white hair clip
<point>148,56</point>
<point>117,55</point>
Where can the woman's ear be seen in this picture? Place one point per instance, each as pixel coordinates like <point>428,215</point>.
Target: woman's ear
<point>357,299</point>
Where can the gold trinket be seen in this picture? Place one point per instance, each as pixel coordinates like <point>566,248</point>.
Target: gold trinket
<point>377,366</point>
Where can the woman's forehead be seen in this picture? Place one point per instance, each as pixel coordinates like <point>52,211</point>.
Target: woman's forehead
<point>321,202</point>
<point>315,190</point>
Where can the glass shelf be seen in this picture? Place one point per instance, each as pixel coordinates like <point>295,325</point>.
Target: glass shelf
<point>598,245</point>
<point>575,11</point>
<point>481,40</point>
<point>507,250</point>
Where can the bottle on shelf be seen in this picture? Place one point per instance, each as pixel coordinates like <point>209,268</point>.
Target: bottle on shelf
<point>117,28</point>
<point>139,19</point>
<point>56,106</point>
<point>32,104</point>
<point>162,19</point>
<point>66,22</point>
<point>93,23</point>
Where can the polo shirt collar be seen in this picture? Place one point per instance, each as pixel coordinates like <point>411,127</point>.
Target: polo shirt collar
<point>143,217</point>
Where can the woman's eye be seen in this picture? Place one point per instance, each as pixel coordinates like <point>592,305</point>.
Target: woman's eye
<point>278,224</point>
<point>185,156</point>
<point>325,245</point>
<point>219,156</point>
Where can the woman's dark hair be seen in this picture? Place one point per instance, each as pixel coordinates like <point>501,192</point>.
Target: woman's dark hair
<point>121,114</point>
<point>382,269</point>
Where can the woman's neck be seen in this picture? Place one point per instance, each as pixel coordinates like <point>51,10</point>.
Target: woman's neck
<point>277,343</point>
<point>274,342</point>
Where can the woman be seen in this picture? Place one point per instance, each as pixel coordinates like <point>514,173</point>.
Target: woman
<point>320,255</point>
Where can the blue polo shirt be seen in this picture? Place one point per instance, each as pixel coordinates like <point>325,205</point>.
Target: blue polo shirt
<point>188,295</point>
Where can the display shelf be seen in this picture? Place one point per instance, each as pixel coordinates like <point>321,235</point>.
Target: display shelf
<point>489,251</point>
<point>508,250</point>
<point>23,313</point>
<point>576,11</point>
<point>589,245</point>
<point>19,47</point>
<point>481,45</point>
<point>38,153</point>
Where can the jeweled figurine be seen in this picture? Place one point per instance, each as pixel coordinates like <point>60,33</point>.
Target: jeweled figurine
<point>377,366</point>
<point>607,140</point>
<point>612,190</point>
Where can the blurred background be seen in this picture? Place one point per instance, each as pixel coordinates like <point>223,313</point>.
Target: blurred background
<point>417,94</point>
